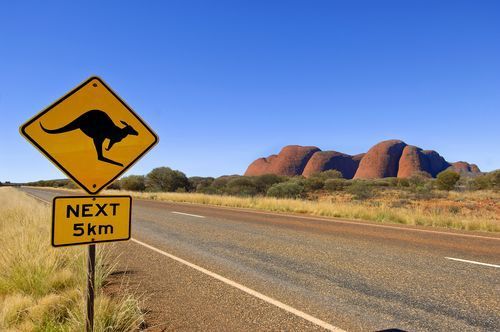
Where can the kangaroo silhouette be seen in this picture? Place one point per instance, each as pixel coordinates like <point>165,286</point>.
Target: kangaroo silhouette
<point>97,125</point>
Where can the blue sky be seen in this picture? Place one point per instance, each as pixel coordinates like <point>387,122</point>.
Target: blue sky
<point>225,82</point>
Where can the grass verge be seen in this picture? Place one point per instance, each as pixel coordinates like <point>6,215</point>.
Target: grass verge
<point>42,288</point>
<point>470,211</point>
<point>463,212</point>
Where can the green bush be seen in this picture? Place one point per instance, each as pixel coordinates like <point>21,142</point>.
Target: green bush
<point>403,182</point>
<point>115,185</point>
<point>241,186</point>
<point>446,180</point>
<point>490,180</point>
<point>221,182</point>
<point>330,174</point>
<point>360,190</point>
<point>133,183</point>
<point>313,184</point>
<point>336,184</point>
<point>289,189</point>
<point>265,181</point>
<point>166,179</point>
<point>419,179</point>
<point>198,183</point>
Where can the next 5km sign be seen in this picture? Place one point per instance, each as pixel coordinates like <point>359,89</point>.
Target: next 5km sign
<point>90,219</point>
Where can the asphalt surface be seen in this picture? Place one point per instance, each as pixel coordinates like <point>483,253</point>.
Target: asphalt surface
<point>355,276</point>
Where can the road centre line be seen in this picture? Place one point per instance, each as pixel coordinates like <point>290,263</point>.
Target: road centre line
<point>188,214</point>
<point>472,262</point>
<point>234,284</point>
<point>245,289</point>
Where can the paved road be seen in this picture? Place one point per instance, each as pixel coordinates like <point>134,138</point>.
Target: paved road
<point>354,276</point>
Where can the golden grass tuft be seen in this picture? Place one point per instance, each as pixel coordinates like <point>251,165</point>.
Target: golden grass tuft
<point>42,288</point>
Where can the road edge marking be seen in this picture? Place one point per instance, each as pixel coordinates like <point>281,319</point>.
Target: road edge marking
<point>472,262</point>
<point>188,214</point>
<point>245,289</point>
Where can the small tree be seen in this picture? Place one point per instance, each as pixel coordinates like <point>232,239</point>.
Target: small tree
<point>265,181</point>
<point>360,190</point>
<point>198,183</point>
<point>242,186</point>
<point>336,184</point>
<point>133,182</point>
<point>166,179</point>
<point>313,184</point>
<point>288,189</point>
<point>446,180</point>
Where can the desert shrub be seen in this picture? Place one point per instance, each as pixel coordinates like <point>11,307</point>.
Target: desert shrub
<point>336,184</point>
<point>115,185</point>
<point>71,185</point>
<point>166,179</point>
<point>446,180</point>
<point>378,182</point>
<point>423,191</point>
<point>360,190</point>
<point>403,182</point>
<point>392,181</point>
<point>313,184</point>
<point>210,190</point>
<point>487,181</point>
<point>221,182</point>
<point>49,183</point>
<point>419,179</point>
<point>241,186</point>
<point>479,183</point>
<point>197,183</point>
<point>289,189</point>
<point>133,183</point>
<point>330,174</point>
<point>265,181</point>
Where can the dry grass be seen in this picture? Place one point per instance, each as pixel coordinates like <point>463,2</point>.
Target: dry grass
<point>472,211</point>
<point>42,288</point>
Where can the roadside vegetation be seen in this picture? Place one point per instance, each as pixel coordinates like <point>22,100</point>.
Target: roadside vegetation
<point>42,288</point>
<point>450,200</point>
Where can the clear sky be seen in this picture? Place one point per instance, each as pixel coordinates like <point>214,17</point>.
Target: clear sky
<point>225,82</point>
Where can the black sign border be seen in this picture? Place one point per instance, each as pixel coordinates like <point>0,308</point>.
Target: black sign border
<point>55,162</point>
<point>91,242</point>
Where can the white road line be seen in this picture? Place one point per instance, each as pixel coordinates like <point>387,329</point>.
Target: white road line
<point>245,289</point>
<point>188,214</point>
<point>472,262</point>
<point>234,284</point>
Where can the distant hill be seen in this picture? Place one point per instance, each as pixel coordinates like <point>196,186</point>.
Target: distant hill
<point>391,158</point>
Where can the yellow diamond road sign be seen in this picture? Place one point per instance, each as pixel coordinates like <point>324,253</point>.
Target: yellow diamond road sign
<point>91,135</point>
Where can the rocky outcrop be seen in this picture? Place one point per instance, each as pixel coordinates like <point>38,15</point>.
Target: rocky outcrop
<point>381,161</point>
<point>260,166</point>
<point>412,162</point>
<point>291,161</point>
<point>437,164</point>
<point>331,160</point>
<point>465,168</point>
<point>386,159</point>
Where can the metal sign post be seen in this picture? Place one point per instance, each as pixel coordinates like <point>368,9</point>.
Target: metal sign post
<point>90,288</point>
